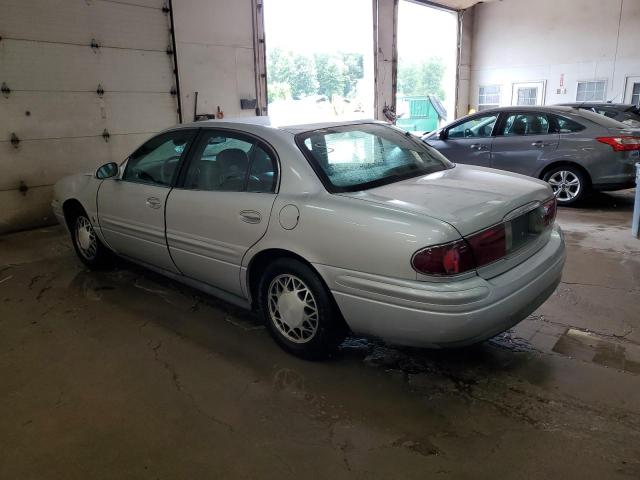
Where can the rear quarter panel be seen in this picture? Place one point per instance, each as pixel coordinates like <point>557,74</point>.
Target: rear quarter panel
<point>351,234</point>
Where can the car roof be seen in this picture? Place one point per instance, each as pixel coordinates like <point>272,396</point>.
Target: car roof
<point>273,123</point>
<point>596,104</point>
<point>531,108</point>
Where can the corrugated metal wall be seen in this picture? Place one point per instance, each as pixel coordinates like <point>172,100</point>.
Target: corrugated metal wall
<point>54,112</point>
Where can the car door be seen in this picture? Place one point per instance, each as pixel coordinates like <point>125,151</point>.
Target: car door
<point>468,141</point>
<point>131,207</point>
<point>221,206</point>
<point>523,141</point>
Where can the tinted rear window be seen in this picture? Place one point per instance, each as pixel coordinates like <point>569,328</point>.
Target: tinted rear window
<point>356,157</point>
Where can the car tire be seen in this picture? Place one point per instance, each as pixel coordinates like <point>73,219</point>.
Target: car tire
<point>570,185</point>
<point>91,251</point>
<point>299,311</point>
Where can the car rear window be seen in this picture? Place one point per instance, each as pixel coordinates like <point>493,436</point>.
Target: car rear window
<point>601,119</point>
<point>357,157</point>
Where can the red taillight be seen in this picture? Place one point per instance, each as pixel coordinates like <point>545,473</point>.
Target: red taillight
<point>623,143</point>
<point>486,246</point>
<point>462,255</point>
<point>549,209</point>
<point>448,259</point>
<point>489,245</point>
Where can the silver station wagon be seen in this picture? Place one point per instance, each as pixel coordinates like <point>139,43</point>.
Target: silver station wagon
<point>326,229</point>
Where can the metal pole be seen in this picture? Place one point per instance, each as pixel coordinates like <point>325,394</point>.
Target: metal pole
<point>175,61</point>
<point>635,226</point>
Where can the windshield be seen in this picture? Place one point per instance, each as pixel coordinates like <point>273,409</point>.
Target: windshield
<point>357,157</point>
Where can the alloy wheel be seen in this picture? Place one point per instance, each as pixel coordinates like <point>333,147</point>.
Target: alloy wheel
<point>565,184</point>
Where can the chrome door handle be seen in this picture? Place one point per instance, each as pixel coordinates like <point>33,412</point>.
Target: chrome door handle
<point>539,144</point>
<point>250,216</point>
<point>153,202</point>
<point>478,146</point>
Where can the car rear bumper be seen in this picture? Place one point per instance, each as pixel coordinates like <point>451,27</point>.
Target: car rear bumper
<point>446,314</point>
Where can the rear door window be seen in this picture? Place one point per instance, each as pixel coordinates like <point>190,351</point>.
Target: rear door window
<point>230,162</point>
<point>525,124</point>
<point>564,125</point>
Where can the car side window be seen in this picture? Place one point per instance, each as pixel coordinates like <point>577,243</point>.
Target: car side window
<point>227,162</point>
<point>564,125</point>
<point>476,127</point>
<point>525,124</point>
<point>156,162</point>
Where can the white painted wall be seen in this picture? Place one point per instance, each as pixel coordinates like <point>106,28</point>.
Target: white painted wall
<point>215,55</point>
<point>526,41</point>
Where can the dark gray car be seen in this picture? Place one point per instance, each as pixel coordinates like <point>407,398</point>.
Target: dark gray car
<point>623,112</point>
<point>575,150</point>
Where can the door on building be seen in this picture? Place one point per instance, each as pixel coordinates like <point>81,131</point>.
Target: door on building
<point>632,90</point>
<point>528,93</point>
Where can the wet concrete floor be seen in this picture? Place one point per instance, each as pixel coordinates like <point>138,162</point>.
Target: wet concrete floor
<point>125,374</point>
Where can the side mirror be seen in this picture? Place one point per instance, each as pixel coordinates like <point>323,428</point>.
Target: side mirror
<point>443,134</point>
<point>108,170</point>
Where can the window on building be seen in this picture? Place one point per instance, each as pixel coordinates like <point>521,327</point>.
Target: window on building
<point>488,97</point>
<point>635,94</point>
<point>527,96</point>
<point>591,91</point>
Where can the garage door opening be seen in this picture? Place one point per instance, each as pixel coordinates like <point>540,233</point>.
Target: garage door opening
<point>319,63</point>
<point>427,57</point>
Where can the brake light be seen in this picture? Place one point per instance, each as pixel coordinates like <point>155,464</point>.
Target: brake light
<point>489,245</point>
<point>622,143</point>
<point>462,255</point>
<point>448,259</point>
<point>549,210</point>
<point>486,246</point>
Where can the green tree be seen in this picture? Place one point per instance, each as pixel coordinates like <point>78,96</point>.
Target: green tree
<point>303,79</point>
<point>278,91</point>
<point>331,72</point>
<point>354,63</point>
<point>279,65</point>
<point>418,79</point>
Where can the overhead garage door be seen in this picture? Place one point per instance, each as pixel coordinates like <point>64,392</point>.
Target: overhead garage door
<point>68,106</point>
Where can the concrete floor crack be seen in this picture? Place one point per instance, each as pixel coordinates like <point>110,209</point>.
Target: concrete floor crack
<point>175,378</point>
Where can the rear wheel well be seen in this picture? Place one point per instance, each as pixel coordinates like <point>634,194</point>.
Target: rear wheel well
<point>566,163</point>
<point>71,208</point>
<point>260,262</point>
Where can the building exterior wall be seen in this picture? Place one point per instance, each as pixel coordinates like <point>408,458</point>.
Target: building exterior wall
<point>556,43</point>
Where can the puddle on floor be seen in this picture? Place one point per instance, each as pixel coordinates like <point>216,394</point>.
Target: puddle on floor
<point>594,348</point>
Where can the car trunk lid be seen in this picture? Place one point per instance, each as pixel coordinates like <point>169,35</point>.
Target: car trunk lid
<point>469,198</point>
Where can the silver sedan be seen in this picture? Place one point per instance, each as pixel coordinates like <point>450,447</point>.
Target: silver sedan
<point>325,229</point>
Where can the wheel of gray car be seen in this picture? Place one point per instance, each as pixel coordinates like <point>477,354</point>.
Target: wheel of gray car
<point>301,315</point>
<point>568,183</point>
<point>86,243</point>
